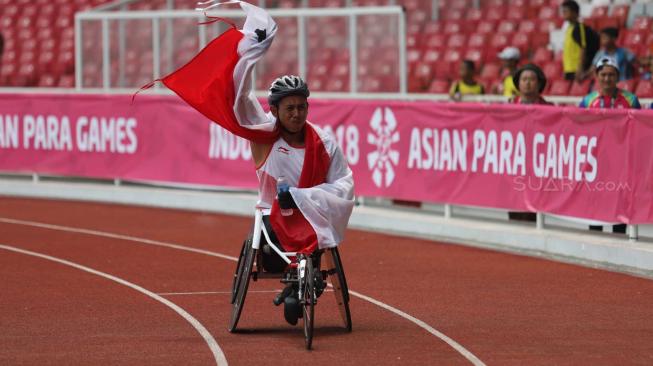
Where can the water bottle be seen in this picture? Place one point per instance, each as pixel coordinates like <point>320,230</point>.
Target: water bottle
<point>283,186</point>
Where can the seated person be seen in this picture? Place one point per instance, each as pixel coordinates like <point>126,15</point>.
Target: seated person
<point>530,82</point>
<point>217,83</point>
<point>467,85</point>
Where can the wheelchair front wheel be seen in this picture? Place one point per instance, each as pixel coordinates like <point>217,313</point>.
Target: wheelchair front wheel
<point>309,299</point>
<point>242,280</point>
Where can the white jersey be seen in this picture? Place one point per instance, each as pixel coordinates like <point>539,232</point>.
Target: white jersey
<point>282,160</point>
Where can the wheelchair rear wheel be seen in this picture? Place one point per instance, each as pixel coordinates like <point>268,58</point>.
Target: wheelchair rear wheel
<point>339,283</point>
<point>241,283</point>
<point>309,298</point>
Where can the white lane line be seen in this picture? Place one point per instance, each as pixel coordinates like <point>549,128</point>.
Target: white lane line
<point>462,350</point>
<point>115,236</point>
<point>452,343</point>
<point>213,292</point>
<point>218,355</point>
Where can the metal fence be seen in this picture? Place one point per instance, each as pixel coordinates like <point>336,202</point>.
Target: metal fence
<point>354,47</point>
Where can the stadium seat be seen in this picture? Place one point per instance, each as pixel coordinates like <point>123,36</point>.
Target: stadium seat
<point>644,89</point>
<point>643,24</point>
<point>559,87</point>
<point>627,85</point>
<point>506,26</point>
<point>439,87</point>
<point>457,41</point>
<point>552,70</point>
<point>486,27</point>
<point>580,89</point>
<point>542,55</point>
<point>490,71</point>
<point>477,40</point>
<point>474,54</point>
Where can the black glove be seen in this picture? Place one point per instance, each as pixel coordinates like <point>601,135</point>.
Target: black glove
<point>286,201</point>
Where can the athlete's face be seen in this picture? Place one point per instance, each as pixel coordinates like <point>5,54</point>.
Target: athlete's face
<point>608,78</point>
<point>291,113</point>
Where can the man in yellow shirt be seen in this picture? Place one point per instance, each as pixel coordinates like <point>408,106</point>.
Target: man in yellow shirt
<point>510,57</point>
<point>580,43</point>
<point>467,85</point>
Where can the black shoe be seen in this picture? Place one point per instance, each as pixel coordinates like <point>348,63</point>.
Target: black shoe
<point>278,300</point>
<point>291,309</point>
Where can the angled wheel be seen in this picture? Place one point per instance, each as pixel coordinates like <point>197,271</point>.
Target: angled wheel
<point>241,285</point>
<point>339,283</point>
<point>239,267</point>
<point>308,302</point>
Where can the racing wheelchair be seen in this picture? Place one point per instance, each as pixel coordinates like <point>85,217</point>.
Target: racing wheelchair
<point>307,272</point>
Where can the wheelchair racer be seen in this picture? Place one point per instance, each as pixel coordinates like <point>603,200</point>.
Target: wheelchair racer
<point>217,83</point>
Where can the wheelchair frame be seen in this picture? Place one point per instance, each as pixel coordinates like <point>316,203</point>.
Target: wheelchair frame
<point>301,271</point>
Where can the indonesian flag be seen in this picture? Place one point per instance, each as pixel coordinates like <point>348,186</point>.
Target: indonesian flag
<point>217,82</point>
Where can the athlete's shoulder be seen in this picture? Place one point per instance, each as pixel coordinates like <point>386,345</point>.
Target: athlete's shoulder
<point>329,141</point>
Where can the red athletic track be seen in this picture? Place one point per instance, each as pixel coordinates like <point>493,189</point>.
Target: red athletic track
<point>505,309</point>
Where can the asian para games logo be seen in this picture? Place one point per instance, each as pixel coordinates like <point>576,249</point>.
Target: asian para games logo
<point>381,160</point>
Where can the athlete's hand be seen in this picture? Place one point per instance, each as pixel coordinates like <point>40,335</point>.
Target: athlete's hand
<point>286,201</point>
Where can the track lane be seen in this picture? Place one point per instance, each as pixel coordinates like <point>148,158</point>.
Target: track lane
<point>263,323</point>
<point>56,314</point>
<point>507,309</point>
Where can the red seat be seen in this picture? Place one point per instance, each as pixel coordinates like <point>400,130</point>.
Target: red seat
<point>627,85</point>
<point>490,71</point>
<point>452,27</point>
<point>507,26</point>
<point>548,13</point>
<point>432,56</point>
<point>457,41</point>
<point>643,24</point>
<point>559,87</point>
<point>526,26</point>
<point>433,27</point>
<point>521,41</point>
<point>542,55</point>
<point>434,41</point>
<point>453,56</point>
<point>486,26</point>
<point>499,41</point>
<point>552,70</point>
<point>633,39</point>
<point>644,89</point>
<point>495,13</point>
<point>474,14</point>
<point>599,11</point>
<point>439,87</point>
<point>474,54</point>
<point>580,89</point>
<point>477,40</point>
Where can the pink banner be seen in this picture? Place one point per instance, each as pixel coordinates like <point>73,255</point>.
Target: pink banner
<point>595,164</point>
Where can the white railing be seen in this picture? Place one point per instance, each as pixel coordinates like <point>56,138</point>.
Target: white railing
<point>106,19</point>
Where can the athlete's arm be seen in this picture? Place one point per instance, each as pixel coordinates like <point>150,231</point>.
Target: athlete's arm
<point>259,152</point>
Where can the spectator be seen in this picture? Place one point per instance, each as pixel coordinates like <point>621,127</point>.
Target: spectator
<point>467,85</point>
<point>510,57</point>
<point>609,95</point>
<point>580,44</point>
<point>609,48</point>
<point>530,82</point>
